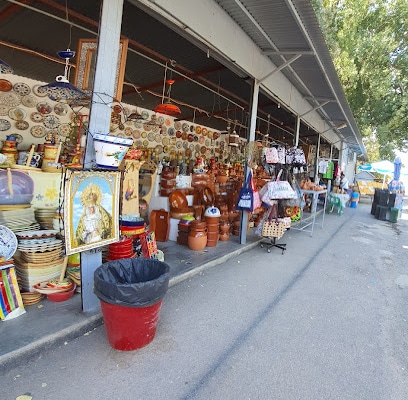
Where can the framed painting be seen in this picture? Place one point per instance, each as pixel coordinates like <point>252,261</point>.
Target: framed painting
<point>86,64</point>
<point>91,209</point>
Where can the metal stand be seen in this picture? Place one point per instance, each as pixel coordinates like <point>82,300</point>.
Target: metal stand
<point>272,243</point>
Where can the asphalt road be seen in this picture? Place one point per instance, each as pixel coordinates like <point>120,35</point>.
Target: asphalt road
<point>326,320</point>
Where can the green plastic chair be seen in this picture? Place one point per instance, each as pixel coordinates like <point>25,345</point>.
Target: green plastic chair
<point>335,202</point>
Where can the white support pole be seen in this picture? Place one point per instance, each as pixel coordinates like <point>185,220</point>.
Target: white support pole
<point>297,131</point>
<point>252,127</point>
<point>99,121</point>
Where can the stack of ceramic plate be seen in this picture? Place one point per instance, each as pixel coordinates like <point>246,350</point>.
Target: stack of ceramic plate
<point>45,217</point>
<point>31,298</point>
<point>40,257</point>
<point>19,220</point>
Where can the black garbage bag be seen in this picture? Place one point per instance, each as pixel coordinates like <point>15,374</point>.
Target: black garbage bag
<point>132,282</point>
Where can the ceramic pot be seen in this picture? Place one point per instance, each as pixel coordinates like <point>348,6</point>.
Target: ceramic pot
<point>197,240</point>
<point>109,150</point>
<point>224,237</point>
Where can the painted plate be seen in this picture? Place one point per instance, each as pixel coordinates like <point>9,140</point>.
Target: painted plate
<point>19,138</point>
<point>51,121</point>
<point>204,131</point>
<point>29,101</point>
<point>163,130</point>
<point>4,125</point>
<point>157,138</point>
<point>145,143</point>
<point>179,145</point>
<point>198,129</point>
<point>177,125</point>
<point>156,128</point>
<point>136,134</point>
<point>128,131</point>
<point>22,125</point>
<point>185,127</point>
<point>61,109</point>
<point>17,114</point>
<point>64,130</point>
<point>36,117</point>
<point>38,131</point>
<point>171,131</point>
<point>37,92</point>
<point>167,122</point>
<point>5,85</point>
<point>147,127</point>
<point>150,137</point>
<point>21,88</point>
<point>185,145</point>
<point>165,141</point>
<point>44,107</point>
<point>10,99</point>
<point>160,120</point>
<point>8,242</point>
<point>4,110</point>
<point>159,149</point>
<point>145,114</point>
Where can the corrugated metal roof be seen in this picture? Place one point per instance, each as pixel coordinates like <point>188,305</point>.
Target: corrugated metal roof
<point>273,25</point>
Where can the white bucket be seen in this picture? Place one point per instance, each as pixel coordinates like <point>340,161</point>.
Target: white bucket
<point>110,150</point>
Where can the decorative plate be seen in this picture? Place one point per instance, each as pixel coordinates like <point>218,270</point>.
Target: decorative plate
<point>185,127</point>
<point>160,120</point>
<point>147,127</point>
<point>207,142</point>
<point>145,143</point>
<point>156,128</point>
<point>36,117</point>
<point>8,242</point>
<point>198,129</point>
<point>51,121</point>
<point>144,135</point>
<point>165,141</point>
<point>128,131</point>
<point>159,149</point>
<point>5,85</point>
<point>64,130</point>
<point>44,108</point>
<point>203,149</point>
<point>136,134</point>
<point>177,125</point>
<point>197,147</point>
<point>157,138</point>
<point>4,125</point>
<point>36,234</point>
<point>167,121</point>
<point>145,114</point>
<point>210,134</point>
<point>21,88</point>
<point>195,138</point>
<point>22,125</point>
<point>10,99</point>
<point>17,114</point>
<point>201,139</point>
<point>29,101</point>
<point>137,124</point>
<point>61,109</point>
<point>163,130</point>
<point>190,137</point>
<point>191,147</point>
<point>150,136</point>
<point>185,145</point>
<point>171,131</point>
<point>204,131</point>
<point>192,128</point>
<point>138,143</point>
<point>38,131</point>
<point>37,92</point>
<point>4,110</point>
<point>179,145</point>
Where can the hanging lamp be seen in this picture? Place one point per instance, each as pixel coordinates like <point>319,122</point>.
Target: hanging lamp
<point>62,89</point>
<point>5,68</point>
<point>167,107</point>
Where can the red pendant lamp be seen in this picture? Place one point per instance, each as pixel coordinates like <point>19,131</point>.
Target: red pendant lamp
<point>167,107</point>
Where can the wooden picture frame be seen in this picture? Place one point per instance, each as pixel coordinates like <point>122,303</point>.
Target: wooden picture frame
<point>91,209</point>
<point>86,64</point>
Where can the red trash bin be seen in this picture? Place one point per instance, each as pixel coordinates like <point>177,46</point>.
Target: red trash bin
<point>129,328</point>
<point>131,293</point>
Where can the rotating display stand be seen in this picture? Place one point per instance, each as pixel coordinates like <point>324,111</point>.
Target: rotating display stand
<point>273,231</point>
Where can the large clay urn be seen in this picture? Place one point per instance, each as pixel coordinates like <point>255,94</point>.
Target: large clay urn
<point>197,238</point>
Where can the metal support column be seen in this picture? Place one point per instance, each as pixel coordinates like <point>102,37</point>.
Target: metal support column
<point>252,126</point>
<point>99,121</point>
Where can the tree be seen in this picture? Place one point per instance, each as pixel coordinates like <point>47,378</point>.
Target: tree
<point>368,40</point>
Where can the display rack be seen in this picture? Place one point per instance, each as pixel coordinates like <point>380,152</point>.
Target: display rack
<point>308,225</point>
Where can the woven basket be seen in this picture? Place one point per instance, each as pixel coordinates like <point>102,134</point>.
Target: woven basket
<point>273,229</point>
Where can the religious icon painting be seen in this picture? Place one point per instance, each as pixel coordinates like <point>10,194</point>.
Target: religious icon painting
<point>91,209</point>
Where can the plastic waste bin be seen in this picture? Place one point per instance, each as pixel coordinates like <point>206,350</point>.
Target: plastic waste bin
<point>394,212</point>
<point>131,291</point>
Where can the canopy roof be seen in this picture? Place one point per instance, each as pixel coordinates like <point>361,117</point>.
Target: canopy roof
<point>214,48</point>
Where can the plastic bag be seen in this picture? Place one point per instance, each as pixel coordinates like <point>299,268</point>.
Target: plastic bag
<point>132,282</point>
<point>246,198</point>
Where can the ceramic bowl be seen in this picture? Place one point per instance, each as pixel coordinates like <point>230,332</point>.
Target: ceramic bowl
<point>177,199</point>
<point>61,296</point>
<point>212,212</point>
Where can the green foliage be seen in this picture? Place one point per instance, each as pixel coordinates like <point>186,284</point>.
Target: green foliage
<point>368,40</point>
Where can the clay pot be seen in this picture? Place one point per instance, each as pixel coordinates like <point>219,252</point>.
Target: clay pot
<point>224,227</point>
<point>224,237</point>
<point>168,174</point>
<point>221,178</point>
<point>167,183</point>
<point>197,239</point>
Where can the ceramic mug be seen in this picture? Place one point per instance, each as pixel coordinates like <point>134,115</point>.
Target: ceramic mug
<point>35,162</point>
